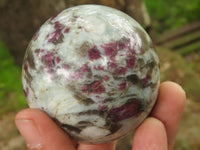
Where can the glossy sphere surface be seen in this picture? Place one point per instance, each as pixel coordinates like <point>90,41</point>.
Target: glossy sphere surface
<point>94,70</point>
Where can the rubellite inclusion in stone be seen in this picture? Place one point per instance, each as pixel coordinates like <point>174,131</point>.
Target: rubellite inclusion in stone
<point>94,70</point>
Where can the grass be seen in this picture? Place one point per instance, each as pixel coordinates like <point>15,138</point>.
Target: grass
<point>170,14</point>
<point>11,94</point>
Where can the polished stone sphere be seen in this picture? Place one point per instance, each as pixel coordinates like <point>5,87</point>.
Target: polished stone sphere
<point>93,69</point>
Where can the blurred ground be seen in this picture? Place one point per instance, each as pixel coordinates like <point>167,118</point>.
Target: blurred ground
<point>10,139</point>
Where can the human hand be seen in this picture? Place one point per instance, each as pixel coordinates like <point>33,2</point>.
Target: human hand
<point>157,132</point>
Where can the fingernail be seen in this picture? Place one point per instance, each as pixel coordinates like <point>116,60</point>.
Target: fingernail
<point>30,133</point>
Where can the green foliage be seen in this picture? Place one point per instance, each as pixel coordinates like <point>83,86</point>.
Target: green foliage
<point>169,14</point>
<point>190,48</point>
<point>11,94</point>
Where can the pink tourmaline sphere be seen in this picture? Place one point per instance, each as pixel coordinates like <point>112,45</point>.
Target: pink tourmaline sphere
<point>94,70</point>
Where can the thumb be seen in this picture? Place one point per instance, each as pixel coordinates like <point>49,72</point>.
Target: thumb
<point>151,135</point>
<point>40,132</point>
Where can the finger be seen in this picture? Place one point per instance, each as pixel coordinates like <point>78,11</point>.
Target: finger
<point>40,131</point>
<point>150,135</point>
<point>169,108</point>
<point>105,146</point>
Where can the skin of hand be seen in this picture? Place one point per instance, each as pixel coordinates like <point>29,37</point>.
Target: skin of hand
<point>157,132</point>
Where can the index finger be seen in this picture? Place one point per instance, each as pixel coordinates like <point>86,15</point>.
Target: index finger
<point>169,108</point>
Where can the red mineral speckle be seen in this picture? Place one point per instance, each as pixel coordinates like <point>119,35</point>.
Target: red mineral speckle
<point>131,62</point>
<point>48,59</point>
<point>97,87</point>
<point>73,76</point>
<point>112,65</point>
<point>122,86</point>
<point>76,75</point>
<point>85,68</point>
<point>146,80</point>
<point>25,65</point>
<point>97,96</point>
<point>125,111</point>
<point>52,18</point>
<point>56,36</point>
<point>85,88</point>
<point>53,37</point>
<point>26,91</point>
<point>98,67</point>
<point>112,44</point>
<point>110,49</point>
<point>57,60</point>
<point>39,51</point>
<point>66,30</point>
<point>66,66</point>
<point>120,70</point>
<point>58,25</point>
<point>94,53</point>
<point>102,108</point>
<point>151,100</point>
<point>122,45</point>
<point>106,78</point>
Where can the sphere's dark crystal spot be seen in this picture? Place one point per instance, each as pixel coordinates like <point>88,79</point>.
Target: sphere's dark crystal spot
<point>30,59</point>
<point>133,78</point>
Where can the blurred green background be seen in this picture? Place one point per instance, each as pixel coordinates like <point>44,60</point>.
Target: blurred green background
<point>11,95</point>
<point>170,14</point>
<point>179,56</point>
